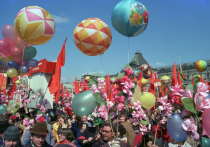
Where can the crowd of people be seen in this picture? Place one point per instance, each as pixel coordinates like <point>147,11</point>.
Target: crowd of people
<point>52,129</point>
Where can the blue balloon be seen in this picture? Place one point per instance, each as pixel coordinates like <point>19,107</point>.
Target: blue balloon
<point>136,73</point>
<point>31,63</point>
<point>23,69</point>
<point>130,18</point>
<point>174,127</point>
<point>13,64</point>
<point>5,64</point>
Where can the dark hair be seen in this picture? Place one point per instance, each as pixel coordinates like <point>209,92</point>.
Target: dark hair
<point>63,117</point>
<point>67,133</point>
<point>79,122</point>
<point>108,125</point>
<point>85,124</point>
<point>121,129</point>
<point>146,138</point>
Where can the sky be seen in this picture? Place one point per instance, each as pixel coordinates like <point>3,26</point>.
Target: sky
<point>176,28</point>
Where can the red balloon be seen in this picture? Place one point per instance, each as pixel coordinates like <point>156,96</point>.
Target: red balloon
<point>16,54</point>
<point>5,47</point>
<point>10,35</point>
<point>206,120</point>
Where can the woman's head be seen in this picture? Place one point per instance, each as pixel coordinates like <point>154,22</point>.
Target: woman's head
<point>61,119</point>
<point>148,139</point>
<point>65,134</point>
<point>84,126</point>
<point>155,113</point>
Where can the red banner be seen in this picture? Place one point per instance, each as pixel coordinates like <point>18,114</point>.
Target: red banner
<point>4,81</point>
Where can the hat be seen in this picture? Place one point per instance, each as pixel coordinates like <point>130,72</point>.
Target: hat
<point>40,128</point>
<point>11,133</point>
<point>4,125</point>
<point>88,123</point>
<point>13,117</point>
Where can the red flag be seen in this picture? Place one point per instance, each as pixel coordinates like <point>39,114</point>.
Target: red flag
<point>76,86</point>
<point>201,79</point>
<point>155,74</point>
<point>139,79</point>
<point>54,84</point>
<point>179,79</point>
<point>193,81</point>
<point>107,86</point>
<point>174,78</point>
<point>207,82</point>
<point>152,86</point>
<point>165,90</point>
<point>160,92</point>
<point>2,79</point>
<point>62,88</point>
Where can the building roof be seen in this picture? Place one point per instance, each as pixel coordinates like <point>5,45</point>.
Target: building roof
<point>138,60</point>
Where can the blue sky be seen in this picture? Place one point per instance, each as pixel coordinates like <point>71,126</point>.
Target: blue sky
<point>176,28</point>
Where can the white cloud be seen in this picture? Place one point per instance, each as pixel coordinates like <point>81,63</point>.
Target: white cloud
<point>160,64</point>
<point>63,79</point>
<point>61,19</point>
<point>90,73</point>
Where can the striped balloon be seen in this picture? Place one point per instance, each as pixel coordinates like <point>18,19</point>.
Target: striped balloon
<point>201,65</point>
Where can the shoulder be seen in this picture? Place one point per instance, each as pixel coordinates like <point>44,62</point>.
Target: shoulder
<point>98,143</point>
<point>122,143</point>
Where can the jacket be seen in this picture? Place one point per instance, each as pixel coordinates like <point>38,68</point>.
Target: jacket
<point>89,132</point>
<point>22,127</point>
<point>49,139</point>
<point>102,143</point>
<point>130,133</point>
<point>45,145</point>
<point>164,133</point>
<point>76,132</point>
<point>1,141</point>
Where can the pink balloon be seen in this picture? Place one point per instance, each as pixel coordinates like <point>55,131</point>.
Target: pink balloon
<point>16,54</point>
<point>28,45</point>
<point>20,43</point>
<point>206,120</point>
<point>21,63</point>
<point>9,33</point>
<point>5,47</point>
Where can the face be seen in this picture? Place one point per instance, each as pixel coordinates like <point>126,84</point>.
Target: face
<point>107,133</point>
<point>69,124</point>
<point>84,118</point>
<point>149,144</point>
<point>155,113</point>
<point>38,140</point>
<point>122,120</point>
<point>10,120</point>
<point>83,127</point>
<point>149,113</point>
<point>131,119</point>
<point>11,143</point>
<point>61,120</point>
<point>61,137</point>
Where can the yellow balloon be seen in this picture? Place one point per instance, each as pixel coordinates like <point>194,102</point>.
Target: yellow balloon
<point>88,77</point>
<point>136,95</point>
<point>143,82</point>
<point>13,108</point>
<point>148,100</point>
<point>11,72</point>
<point>165,79</point>
<point>6,59</point>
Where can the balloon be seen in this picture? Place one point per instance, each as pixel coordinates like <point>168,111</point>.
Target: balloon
<point>31,63</point>
<point>102,78</point>
<point>13,64</point>
<point>205,142</point>
<point>174,127</point>
<point>206,120</point>
<point>87,77</point>
<point>137,95</point>
<point>3,109</point>
<point>83,103</point>
<point>92,36</point>
<point>201,65</point>
<point>165,79</point>
<point>16,54</point>
<point>130,18</point>
<point>9,34</point>
<point>11,72</point>
<point>208,97</point>
<point>5,47</point>
<point>112,79</point>
<point>23,69</point>
<point>136,73</point>
<point>147,100</point>
<point>6,59</point>
<point>146,76</point>
<point>143,82</point>
<point>34,25</point>
<point>5,64</point>
<point>13,107</point>
<point>29,53</point>
<point>144,68</point>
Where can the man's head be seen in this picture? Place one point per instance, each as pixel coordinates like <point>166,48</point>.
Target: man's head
<point>3,125</point>
<point>129,116</point>
<point>39,133</point>
<point>11,136</point>
<point>107,132</point>
<point>84,118</point>
<point>123,118</point>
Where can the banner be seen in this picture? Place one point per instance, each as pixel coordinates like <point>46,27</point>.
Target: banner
<point>4,84</point>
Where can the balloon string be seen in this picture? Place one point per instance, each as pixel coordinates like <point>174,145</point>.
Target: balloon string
<point>102,63</point>
<point>128,50</point>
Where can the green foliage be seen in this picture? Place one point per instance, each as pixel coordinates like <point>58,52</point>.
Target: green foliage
<point>93,81</point>
<point>190,86</point>
<point>98,99</point>
<point>128,66</point>
<point>189,105</point>
<point>144,122</point>
<point>98,121</point>
<point>120,75</point>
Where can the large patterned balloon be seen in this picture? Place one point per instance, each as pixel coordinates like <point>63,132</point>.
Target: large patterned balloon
<point>34,25</point>
<point>144,68</point>
<point>92,36</point>
<point>201,65</point>
<point>130,18</point>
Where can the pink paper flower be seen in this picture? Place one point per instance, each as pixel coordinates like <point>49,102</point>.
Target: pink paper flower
<point>33,97</point>
<point>116,90</point>
<point>27,101</point>
<point>101,82</point>
<point>25,122</point>
<point>120,106</point>
<point>38,117</point>
<point>163,121</point>
<point>176,90</point>
<point>43,109</point>
<point>110,105</point>
<point>163,100</point>
<point>28,127</point>
<point>128,85</point>
<point>188,94</point>
<point>30,88</point>
<point>23,105</point>
<point>128,71</point>
<point>94,89</point>
<point>143,128</point>
<point>23,86</point>
<point>68,104</point>
<point>119,99</point>
<point>124,78</point>
<point>102,112</point>
<point>38,105</point>
<point>38,94</point>
<point>59,102</point>
<point>137,105</point>
<point>31,122</point>
<point>166,109</point>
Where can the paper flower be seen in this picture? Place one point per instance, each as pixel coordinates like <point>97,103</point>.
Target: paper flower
<point>33,97</point>
<point>42,119</point>
<point>38,94</point>
<point>120,106</point>
<point>128,71</point>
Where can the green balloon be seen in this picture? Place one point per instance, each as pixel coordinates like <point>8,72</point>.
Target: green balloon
<point>205,142</point>
<point>3,109</point>
<point>29,53</point>
<point>102,78</point>
<point>84,103</point>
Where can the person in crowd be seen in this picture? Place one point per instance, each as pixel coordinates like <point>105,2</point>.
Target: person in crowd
<point>61,123</point>
<point>3,127</point>
<point>108,137</point>
<point>79,122</point>
<point>12,119</point>
<point>75,130</point>
<point>178,144</point>
<point>11,137</point>
<point>130,118</point>
<point>19,125</point>
<point>154,117</point>
<point>147,140</point>
<point>121,133</point>
<point>84,119</point>
<point>149,115</point>
<point>38,135</point>
<point>130,133</point>
<point>66,136</point>
<point>49,138</point>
